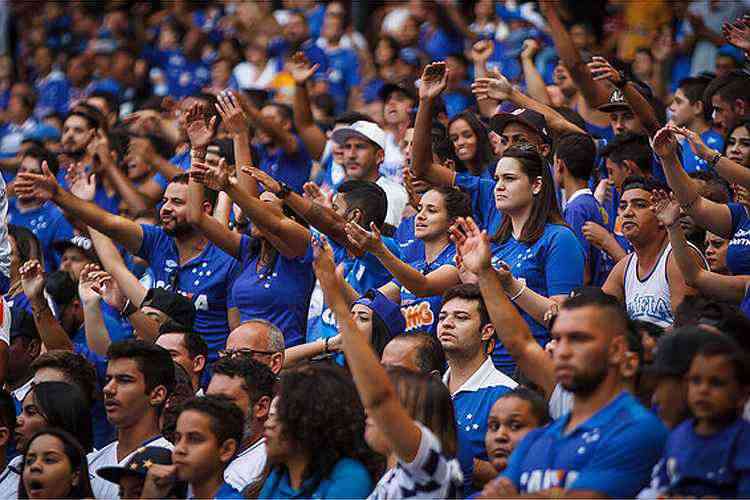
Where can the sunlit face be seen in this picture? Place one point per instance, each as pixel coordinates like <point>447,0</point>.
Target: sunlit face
<point>638,220</point>
<point>29,165</point>
<point>362,316</point>
<point>76,134</point>
<point>464,140</point>
<point>361,158</point>
<point>197,451</point>
<point>514,191</point>
<point>432,219</point>
<point>510,419</point>
<point>716,253</point>
<point>397,108</point>
<point>738,146</point>
<point>175,344</point>
<point>616,173</point>
<point>683,113</point>
<point>173,213</point>
<point>73,261</point>
<point>125,398</point>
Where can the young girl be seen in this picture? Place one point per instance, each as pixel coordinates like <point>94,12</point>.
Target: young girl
<point>709,455</point>
<point>409,416</point>
<point>471,145</point>
<point>54,466</point>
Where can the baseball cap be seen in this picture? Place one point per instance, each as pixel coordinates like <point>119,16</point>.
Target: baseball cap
<point>403,86</point>
<point>526,117</point>
<point>617,101</point>
<point>388,311</point>
<point>363,130</point>
<point>176,306</point>
<point>675,352</point>
<point>80,242</point>
<point>139,465</point>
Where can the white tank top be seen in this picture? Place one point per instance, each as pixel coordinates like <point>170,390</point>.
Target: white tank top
<point>648,299</point>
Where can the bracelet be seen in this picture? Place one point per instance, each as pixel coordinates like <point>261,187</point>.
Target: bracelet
<point>713,161</point>
<point>284,191</point>
<point>326,345</point>
<point>523,289</point>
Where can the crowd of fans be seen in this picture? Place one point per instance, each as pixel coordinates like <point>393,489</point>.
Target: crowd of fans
<point>480,249</point>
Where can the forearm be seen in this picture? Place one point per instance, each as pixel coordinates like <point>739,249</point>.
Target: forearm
<point>684,188</point>
<point>313,137</point>
<point>165,168</point>
<point>113,263</point>
<point>413,280</point>
<point>421,164</point>
<point>223,209</point>
<point>642,109</point>
<point>320,217</point>
<point>97,336</point>
<point>683,255</point>
<point>731,171</point>
<point>301,353</point>
<point>51,332</point>
<point>532,303</point>
<point>243,157</point>
<point>554,119</point>
<point>534,83</point>
<point>613,249</point>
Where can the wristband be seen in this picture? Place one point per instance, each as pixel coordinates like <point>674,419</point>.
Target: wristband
<point>713,161</point>
<point>284,191</point>
<point>128,309</point>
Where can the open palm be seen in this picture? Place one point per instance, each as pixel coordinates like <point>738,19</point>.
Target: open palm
<point>665,207</point>
<point>472,244</point>
<point>199,132</point>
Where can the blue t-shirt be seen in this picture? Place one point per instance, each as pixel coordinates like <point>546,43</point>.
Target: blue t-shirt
<point>114,327</point>
<point>362,273</point>
<point>206,280</point>
<point>53,94</point>
<point>553,265</point>
<point>280,295</point>
<point>439,43</point>
<point>581,209</point>
<point>348,479</point>
<point>180,160</point>
<point>19,301</point>
<point>693,163</point>
<point>293,169</point>
<point>421,313</point>
<point>405,236</point>
<point>738,250</point>
<point>343,73</point>
<point>482,192</point>
<point>612,453</point>
<point>185,77</point>
<point>706,466</point>
<point>279,48</point>
<point>227,492</point>
<point>48,224</point>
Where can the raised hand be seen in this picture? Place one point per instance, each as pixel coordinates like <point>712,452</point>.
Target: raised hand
<point>214,177</point>
<point>367,241</point>
<point>481,51</point>
<point>601,69</point>
<point>42,186</point>
<point>233,117</point>
<point>300,69</point>
<point>434,80</point>
<point>530,48</point>
<point>696,143</point>
<point>738,33</point>
<point>664,142</point>
<point>199,132</point>
<point>108,289</point>
<point>81,183</point>
<point>410,183</point>
<point>665,207</point>
<point>323,264</point>
<point>595,234</point>
<point>99,149</point>
<point>496,87</point>
<point>86,283</point>
<point>313,192</point>
<point>500,487</point>
<point>263,178</point>
<point>32,279</point>
<point>472,244</point>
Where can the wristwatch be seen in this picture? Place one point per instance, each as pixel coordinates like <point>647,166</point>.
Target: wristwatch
<point>284,191</point>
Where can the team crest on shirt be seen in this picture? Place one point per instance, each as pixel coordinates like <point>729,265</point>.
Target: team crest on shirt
<point>538,479</point>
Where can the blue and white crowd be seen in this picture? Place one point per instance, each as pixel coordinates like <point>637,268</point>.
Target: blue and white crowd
<point>403,249</point>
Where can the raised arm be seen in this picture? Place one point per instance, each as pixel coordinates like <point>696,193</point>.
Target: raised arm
<point>732,171</point>
<point>480,52</point>
<point>534,82</point>
<point>713,216</point>
<point>373,384</point>
<point>284,138</point>
<point>434,81</point>
<point>421,285</point>
<point>51,332</point>
<point>235,121</point>
<point>97,336</point>
<point>44,186</point>
<point>314,138</point>
<point>729,288</point>
<point>473,246</point>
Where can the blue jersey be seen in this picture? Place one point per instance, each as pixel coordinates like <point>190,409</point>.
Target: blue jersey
<point>362,273</point>
<point>293,169</point>
<point>553,265</point>
<point>612,452</point>
<point>405,235</point>
<point>227,492</point>
<point>421,313</point>
<point>279,294</point>
<point>472,403</point>
<point>48,224</point>
<point>580,209</point>
<point>279,48</point>
<point>738,250</point>
<point>439,43</point>
<point>19,301</point>
<point>53,94</point>
<point>705,466</point>
<point>185,77</point>
<point>343,73</point>
<point>693,163</point>
<point>348,479</point>
<point>206,280</point>
<point>114,327</point>
<point>482,192</point>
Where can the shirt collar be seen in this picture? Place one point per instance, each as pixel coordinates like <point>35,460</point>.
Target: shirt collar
<point>578,193</point>
<point>599,419</point>
<point>485,376</point>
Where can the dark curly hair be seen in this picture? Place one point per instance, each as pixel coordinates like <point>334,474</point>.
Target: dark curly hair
<point>320,412</point>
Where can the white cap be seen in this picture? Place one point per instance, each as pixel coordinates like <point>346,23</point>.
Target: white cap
<point>363,130</point>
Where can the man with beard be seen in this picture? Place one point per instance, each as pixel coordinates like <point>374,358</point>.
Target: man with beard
<point>609,443</point>
<point>181,258</point>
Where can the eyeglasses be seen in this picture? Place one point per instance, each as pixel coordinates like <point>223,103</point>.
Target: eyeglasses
<point>244,352</point>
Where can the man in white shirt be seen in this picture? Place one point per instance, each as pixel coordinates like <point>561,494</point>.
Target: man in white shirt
<point>249,384</point>
<point>140,378</point>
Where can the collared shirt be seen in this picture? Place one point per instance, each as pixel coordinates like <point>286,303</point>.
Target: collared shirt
<point>247,466</point>
<point>612,452</point>
<point>472,403</point>
<point>9,478</point>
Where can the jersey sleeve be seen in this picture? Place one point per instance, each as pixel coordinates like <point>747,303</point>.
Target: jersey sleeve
<point>738,213</point>
<point>564,263</point>
<point>575,217</point>
<point>349,479</point>
<point>622,466</point>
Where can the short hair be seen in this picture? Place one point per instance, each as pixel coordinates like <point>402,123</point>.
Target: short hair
<point>728,348</point>
<point>276,341</point>
<point>43,155</point>
<point>74,367</point>
<point>7,411</point>
<point>258,378</point>
<point>694,88</point>
<point>208,194</point>
<point>153,361</point>
<point>430,356</point>
<point>629,146</point>
<point>645,183</point>
<point>457,203</point>
<point>470,292</point>
<point>89,113</point>
<point>714,188</point>
<point>227,420</point>
<point>539,407</point>
<point>603,301</point>
<point>369,198</point>
<point>724,316</point>
<point>735,85</point>
<point>194,342</point>
<point>578,152</point>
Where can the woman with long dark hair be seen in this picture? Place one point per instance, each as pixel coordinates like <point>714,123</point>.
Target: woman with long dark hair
<point>472,151</point>
<point>54,466</point>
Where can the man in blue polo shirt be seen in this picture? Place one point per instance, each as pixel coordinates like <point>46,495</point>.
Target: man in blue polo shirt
<point>467,336</point>
<point>609,443</point>
<point>181,258</point>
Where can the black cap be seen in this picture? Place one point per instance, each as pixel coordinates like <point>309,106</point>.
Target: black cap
<point>61,288</point>
<point>80,242</point>
<point>403,86</point>
<point>526,117</point>
<point>138,465</point>
<point>178,307</point>
<point>675,351</point>
<point>22,324</point>
<point>617,101</point>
